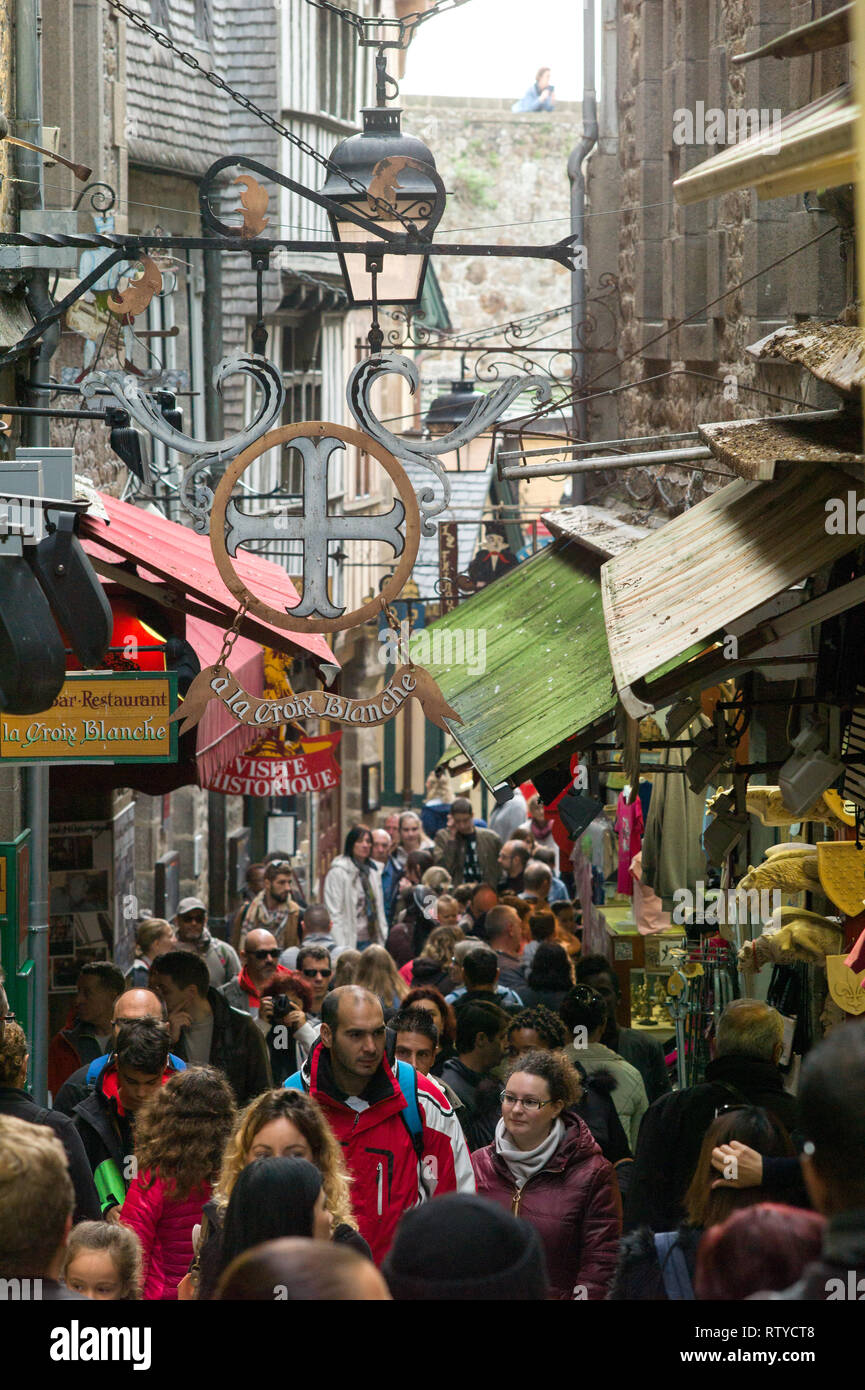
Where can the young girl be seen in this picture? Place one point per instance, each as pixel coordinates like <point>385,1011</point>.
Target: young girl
<point>103,1262</point>
<point>179,1139</point>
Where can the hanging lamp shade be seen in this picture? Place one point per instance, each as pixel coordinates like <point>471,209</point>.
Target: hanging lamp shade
<point>400,278</point>
<point>450,410</point>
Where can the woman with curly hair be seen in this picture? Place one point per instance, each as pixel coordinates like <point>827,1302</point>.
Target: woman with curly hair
<point>102,1261</point>
<point>179,1138</point>
<point>277,1124</point>
<point>545,1167</point>
<point>533,1029</point>
<point>426,997</point>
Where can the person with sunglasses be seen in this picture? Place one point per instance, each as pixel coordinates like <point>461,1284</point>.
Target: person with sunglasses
<point>544,1167</point>
<point>190,925</point>
<point>278,999</point>
<point>313,963</point>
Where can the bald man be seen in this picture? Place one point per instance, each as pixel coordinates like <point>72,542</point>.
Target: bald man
<point>259,958</point>
<point>133,1003</point>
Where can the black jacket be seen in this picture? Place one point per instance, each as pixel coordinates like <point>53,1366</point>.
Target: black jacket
<point>108,1140</point>
<point>644,1053</point>
<point>480,1093</point>
<point>673,1129</point>
<point>238,1049</point>
<point>19,1105</point>
<point>74,1089</point>
<point>639,1276</point>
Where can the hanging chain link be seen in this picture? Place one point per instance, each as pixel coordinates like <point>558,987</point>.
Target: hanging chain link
<point>381,204</point>
<point>232,634</point>
<point>404,26</point>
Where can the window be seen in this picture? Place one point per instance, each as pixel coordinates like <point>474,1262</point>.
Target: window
<point>202,22</point>
<point>337,61</point>
<point>301,375</point>
<point>159,15</point>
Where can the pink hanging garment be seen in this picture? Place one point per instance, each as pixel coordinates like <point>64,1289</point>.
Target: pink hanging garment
<point>629,827</point>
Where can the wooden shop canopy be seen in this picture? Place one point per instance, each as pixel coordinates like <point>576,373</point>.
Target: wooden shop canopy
<point>710,566</point>
<point>814,147</point>
<point>830,31</point>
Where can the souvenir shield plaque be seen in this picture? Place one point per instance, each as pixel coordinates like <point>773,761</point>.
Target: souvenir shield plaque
<point>841,867</point>
<point>845,985</point>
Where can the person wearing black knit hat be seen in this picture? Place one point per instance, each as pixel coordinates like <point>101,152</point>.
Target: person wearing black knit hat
<point>464,1247</point>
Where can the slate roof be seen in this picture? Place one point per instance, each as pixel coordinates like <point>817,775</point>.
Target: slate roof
<point>469,493</point>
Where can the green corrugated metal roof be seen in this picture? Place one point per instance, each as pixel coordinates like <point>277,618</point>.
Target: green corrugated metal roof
<point>547,673</point>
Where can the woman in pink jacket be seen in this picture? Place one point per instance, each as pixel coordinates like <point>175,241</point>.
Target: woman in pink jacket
<point>179,1139</point>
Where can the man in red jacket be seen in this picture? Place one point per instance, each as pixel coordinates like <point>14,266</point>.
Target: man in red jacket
<point>399,1150</point>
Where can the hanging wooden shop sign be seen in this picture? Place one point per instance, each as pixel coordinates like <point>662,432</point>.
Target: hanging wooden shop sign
<point>407,683</point>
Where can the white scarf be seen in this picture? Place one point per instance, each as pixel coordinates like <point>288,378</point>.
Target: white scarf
<point>524,1163</point>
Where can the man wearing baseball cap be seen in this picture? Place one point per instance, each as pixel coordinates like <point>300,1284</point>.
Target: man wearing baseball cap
<point>190,925</point>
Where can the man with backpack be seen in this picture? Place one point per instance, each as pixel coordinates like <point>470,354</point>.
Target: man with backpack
<point>399,1134</point>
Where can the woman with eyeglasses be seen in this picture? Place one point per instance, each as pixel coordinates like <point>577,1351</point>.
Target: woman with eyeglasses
<point>661,1265</point>
<point>353,894</point>
<point>545,1168</point>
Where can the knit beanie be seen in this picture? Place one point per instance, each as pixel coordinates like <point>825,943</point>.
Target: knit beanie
<point>465,1247</point>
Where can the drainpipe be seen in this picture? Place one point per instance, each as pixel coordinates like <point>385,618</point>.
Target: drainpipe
<point>588,141</point>
<point>28,124</point>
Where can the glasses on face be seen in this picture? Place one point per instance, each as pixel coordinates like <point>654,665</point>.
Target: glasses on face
<point>192,917</point>
<point>312,974</point>
<point>266,954</point>
<point>7,1018</point>
<point>527,1102</point>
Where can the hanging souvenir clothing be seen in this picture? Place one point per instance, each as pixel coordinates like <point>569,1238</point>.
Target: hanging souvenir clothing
<point>673,855</point>
<point>629,827</point>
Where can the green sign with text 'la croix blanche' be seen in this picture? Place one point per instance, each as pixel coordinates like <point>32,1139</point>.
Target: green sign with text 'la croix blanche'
<point>116,717</point>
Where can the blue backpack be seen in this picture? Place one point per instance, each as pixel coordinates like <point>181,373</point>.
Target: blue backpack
<point>407,1078</point>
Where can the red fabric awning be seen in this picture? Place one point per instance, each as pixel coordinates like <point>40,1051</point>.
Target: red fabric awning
<point>220,739</point>
<point>169,554</point>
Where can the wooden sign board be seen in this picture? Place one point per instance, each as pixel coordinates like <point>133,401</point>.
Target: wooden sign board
<point>111,717</point>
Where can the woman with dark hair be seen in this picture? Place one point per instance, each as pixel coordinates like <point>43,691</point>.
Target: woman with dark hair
<point>545,1167</point>
<point>763,1249</point>
<point>179,1138</point>
<point>550,977</point>
<point>277,1124</point>
<point>353,894</point>
<point>661,1265</point>
<point>272,1198</point>
<point>426,997</point>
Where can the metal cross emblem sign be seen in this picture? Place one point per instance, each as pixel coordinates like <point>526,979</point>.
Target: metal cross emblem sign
<point>316,442</point>
<point>315,528</point>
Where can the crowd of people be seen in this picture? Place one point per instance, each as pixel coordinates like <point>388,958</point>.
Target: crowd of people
<point>416,1088</point>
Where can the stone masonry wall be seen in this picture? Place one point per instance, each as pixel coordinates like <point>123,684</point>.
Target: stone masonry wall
<point>672,259</point>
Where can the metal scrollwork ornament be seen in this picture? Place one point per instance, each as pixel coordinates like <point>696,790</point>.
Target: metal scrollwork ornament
<point>482,416</point>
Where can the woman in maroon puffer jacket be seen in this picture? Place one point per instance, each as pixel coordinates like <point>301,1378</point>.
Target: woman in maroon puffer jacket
<point>179,1138</point>
<point>545,1167</point>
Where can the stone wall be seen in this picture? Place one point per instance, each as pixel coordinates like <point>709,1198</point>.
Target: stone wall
<point>671,260</point>
<point>507,184</point>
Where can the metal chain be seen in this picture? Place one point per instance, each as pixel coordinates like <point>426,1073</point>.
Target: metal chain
<point>233,633</point>
<point>405,25</point>
<point>215,80</point>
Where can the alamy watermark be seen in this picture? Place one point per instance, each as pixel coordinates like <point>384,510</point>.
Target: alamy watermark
<point>21,516</point>
<point>711,125</point>
<point>845,516</point>
<point>724,907</point>
<point>439,647</point>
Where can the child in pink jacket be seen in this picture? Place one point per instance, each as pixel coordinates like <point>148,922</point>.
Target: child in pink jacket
<point>179,1139</point>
